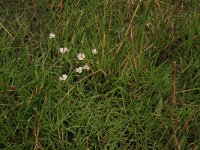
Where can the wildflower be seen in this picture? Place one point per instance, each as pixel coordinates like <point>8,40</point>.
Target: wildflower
<point>52,35</point>
<point>94,51</point>
<point>79,69</point>
<point>63,77</point>
<point>63,50</point>
<point>86,67</point>
<point>81,56</point>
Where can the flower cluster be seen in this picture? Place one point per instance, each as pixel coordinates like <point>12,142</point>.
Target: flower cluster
<point>81,56</point>
<point>63,50</point>
<point>63,77</point>
<point>80,69</point>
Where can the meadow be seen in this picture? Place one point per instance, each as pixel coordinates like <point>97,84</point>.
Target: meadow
<point>92,75</point>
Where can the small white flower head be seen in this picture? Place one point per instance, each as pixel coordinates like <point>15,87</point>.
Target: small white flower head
<point>66,49</point>
<point>81,56</point>
<point>94,51</point>
<point>86,67</point>
<point>79,69</point>
<point>52,35</point>
<point>63,77</point>
<point>63,50</point>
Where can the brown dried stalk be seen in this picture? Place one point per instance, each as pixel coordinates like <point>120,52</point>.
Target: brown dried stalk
<point>61,7</point>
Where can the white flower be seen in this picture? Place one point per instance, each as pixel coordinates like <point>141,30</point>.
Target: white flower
<point>81,56</point>
<point>63,77</point>
<point>94,51</point>
<point>79,69</point>
<point>86,67</point>
<point>52,35</point>
<point>63,50</point>
<point>66,49</point>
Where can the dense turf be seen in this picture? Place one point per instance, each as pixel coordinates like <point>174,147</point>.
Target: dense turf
<point>125,101</point>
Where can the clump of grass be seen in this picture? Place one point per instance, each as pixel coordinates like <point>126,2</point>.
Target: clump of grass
<point>123,98</point>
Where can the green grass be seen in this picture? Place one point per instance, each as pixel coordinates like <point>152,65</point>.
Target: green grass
<point>124,101</point>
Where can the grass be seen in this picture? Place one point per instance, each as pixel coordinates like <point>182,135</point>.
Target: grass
<point>134,96</point>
